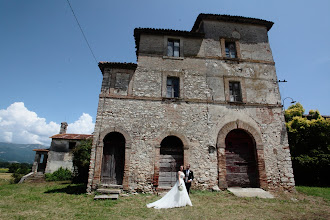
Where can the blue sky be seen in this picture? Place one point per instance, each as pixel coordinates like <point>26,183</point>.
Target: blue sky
<point>48,75</point>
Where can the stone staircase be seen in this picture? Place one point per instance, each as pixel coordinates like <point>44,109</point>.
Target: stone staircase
<point>108,191</point>
<point>38,177</point>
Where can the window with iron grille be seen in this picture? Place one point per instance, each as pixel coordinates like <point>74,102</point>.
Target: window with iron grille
<point>230,50</point>
<point>173,48</point>
<point>235,92</point>
<point>173,87</point>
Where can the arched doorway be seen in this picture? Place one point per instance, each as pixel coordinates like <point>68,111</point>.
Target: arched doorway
<point>170,159</point>
<point>113,159</point>
<point>241,164</point>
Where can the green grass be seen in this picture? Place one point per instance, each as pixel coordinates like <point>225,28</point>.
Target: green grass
<point>61,200</point>
<point>4,170</point>
<point>323,192</point>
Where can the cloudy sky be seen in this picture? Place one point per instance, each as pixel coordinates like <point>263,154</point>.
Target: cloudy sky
<point>48,75</point>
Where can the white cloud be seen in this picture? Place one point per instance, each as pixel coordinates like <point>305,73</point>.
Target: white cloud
<point>20,125</point>
<point>84,125</point>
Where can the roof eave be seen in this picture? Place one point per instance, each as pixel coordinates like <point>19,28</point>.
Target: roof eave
<point>233,19</point>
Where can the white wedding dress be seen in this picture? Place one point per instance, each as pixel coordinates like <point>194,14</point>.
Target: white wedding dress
<point>174,198</point>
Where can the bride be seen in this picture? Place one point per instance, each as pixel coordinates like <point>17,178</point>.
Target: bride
<point>176,197</point>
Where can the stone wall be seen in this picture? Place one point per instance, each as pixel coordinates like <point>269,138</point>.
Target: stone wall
<point>148,122</point>
<point>59,155</point>
<point>136,106</point>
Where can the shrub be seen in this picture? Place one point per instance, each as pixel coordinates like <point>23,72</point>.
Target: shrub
<point>59,175</point>
<point>19,170</point>
<point>81,159</point>
<point>309,142</point>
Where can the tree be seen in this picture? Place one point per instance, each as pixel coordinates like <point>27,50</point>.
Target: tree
<point>81,159</point>
<point>294,110</point>
<point>309,140</point>
<point>19,170</point>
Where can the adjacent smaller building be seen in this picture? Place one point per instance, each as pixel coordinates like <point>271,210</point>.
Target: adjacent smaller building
<point>60,152</point>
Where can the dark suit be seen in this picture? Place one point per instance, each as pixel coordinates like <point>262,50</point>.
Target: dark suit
<point>190,176</point>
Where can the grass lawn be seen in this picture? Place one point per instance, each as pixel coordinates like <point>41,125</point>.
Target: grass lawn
<point>4,170</point>
<point>69,201</point>
<point>323,192</point>
<point>5,179</point>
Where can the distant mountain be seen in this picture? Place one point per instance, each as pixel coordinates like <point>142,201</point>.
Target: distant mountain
<point>21,153</point>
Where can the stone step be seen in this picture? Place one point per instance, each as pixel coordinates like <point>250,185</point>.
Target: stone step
<point>250,192</point>
<point>112,186</point>
<point>108,191</point>
<point>111,196</point>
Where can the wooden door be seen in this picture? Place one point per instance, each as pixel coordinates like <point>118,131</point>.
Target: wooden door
<point>241,164</point>
<point>113,159</point>
<point>171,158</point>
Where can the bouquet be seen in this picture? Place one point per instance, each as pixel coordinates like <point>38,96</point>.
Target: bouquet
<point>180,187</point>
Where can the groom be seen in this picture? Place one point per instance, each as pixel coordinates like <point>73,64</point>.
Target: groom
<point>189,177</point>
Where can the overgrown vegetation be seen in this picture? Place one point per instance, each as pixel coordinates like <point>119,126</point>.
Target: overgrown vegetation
<point>309,140</point>
<point>56,200</point>
<point>81,159</point>
<point>19,170</point>
<point>4,164</point>
<point>59,175</point>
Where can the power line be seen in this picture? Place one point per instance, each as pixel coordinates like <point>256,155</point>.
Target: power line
<point>82,31</point>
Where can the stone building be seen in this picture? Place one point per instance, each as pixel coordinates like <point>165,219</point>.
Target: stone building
<point>208,97</point>
<point>60,151</point>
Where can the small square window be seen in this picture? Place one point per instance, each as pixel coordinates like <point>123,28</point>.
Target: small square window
<point>173,87</point>
<point>230,50</point>
<point>235,92</point>
<point>72,145</point>
<point>173,48</point>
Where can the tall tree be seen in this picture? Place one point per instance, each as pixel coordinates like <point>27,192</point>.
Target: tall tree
<point>81,159</point>
<point>309,140</point>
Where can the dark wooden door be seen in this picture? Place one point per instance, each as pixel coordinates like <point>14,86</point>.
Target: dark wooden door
<point>241,164</point>
<point>171,158</point>
<point>113,159</point>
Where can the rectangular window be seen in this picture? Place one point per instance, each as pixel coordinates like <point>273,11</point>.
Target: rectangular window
<point>230,50</point>
<point>72,145</point>
<point>235,92</point>
<point>173,48</point>
<point>173,87</point>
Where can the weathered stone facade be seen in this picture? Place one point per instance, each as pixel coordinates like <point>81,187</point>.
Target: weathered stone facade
<point>60,152</point>
<point>134,102</point>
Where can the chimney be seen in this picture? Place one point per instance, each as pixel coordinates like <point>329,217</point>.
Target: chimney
<point>64,126</point>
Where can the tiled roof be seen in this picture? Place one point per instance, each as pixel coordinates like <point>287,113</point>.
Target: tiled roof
<point>41,150</point>
<point>72,136</point>
<point>159,31</point>
<point>118,65</point>
<point>230,18</point>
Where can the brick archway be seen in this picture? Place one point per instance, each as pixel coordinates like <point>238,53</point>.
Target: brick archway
<point>221,145</point>
<point>98,148</point>
<point>157,152</point>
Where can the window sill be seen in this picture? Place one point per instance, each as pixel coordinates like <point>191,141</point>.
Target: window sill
<point>236,102</point>
<point>232,59</point>
<point>166,99</point>
<point>173,58</point>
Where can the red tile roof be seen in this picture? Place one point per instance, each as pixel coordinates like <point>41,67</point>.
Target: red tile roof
<point>42,150</point>
<point>72,136</point>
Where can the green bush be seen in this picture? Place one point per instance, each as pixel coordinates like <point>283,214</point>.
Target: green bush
<point>59,175</point>
<point>309,142</point>
<point>81,159</point>
<point>19,170</point>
